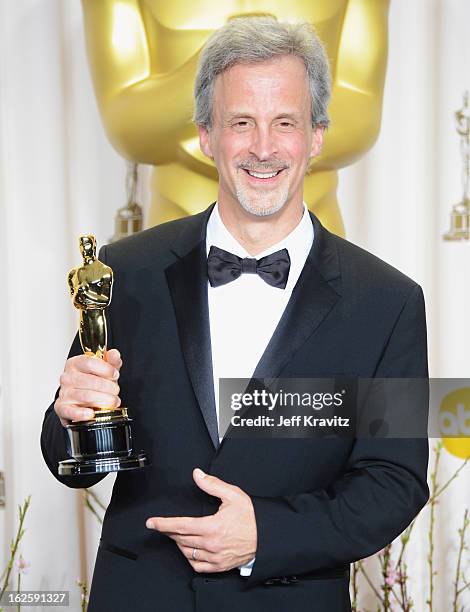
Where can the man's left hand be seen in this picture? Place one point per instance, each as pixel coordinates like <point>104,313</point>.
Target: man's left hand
<point>218,542</point>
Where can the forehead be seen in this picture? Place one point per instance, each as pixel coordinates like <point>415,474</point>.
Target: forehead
<point>278,85</point>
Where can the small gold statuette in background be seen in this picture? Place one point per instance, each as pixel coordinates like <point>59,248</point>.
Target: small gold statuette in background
<point>103,443</point>
<point>460,215</point>
<point>129,218</point>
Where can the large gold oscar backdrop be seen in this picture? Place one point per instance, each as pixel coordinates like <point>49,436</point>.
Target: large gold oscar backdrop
<point>143,56</point>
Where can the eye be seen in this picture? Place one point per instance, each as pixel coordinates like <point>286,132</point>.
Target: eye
<point>286,125</point>
<point>240,125</point>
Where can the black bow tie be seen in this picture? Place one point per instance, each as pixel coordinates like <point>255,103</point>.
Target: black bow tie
<point>224,267</point>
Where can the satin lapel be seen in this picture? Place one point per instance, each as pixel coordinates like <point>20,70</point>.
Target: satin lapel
<point>312,299</point>
<point>187,281</point>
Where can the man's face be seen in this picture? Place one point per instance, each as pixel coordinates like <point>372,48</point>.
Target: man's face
<point>261,137</point>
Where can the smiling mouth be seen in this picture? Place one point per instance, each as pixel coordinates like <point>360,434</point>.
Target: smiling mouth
<point>263,176</point>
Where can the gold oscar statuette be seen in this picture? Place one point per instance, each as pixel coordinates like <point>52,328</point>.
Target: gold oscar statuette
<point>460,215</point>
<point>103,443</point>
<point>129,218</point>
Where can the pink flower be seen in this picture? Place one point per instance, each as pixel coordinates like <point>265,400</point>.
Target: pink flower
<point>392,576</point>
<point>22,565</point>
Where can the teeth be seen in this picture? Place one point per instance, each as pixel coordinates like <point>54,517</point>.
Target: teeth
<point>260,175</point>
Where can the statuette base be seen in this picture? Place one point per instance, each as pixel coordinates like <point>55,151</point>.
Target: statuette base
<point>72,467</point>
<point>459,222</point>
<point>100,446</point>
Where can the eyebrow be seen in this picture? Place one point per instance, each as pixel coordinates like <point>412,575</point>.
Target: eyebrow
<point>246,115</point>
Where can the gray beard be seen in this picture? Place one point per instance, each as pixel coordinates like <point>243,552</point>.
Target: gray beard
<point>262,204</point>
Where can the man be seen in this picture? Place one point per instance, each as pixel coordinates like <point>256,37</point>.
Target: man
<point>267,524</point>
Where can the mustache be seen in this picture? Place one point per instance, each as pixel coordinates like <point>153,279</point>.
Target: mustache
<point>269,165</point>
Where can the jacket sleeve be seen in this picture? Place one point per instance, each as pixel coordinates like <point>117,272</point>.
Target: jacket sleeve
<point>54,438</point>
<point>382,489</point>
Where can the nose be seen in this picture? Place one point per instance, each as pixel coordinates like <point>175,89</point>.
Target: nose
<point>263,144</point>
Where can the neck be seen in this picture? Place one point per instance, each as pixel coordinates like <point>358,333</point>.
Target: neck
<point>256,234</point>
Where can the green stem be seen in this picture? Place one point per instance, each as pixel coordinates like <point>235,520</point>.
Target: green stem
<point>453,477</point>
<point>385,560</point>
<point>371,584</point>
<point>403,590</point>
<point>19,590</point>
<point>432,502</point>
<point>405,538</point>
<point>369,581</point>
<point>96,499</point>
<point>459,559</point>
<point>463,588</point>
<point>90,507</point>
<point>400,567</point>
<point>14,545</point>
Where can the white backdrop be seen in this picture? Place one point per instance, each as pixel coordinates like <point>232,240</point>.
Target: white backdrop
<point>59,178</point>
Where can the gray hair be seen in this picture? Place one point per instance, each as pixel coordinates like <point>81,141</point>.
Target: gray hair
<point>246,40</point>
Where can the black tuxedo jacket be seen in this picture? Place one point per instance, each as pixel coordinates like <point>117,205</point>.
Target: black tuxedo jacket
<point>319,503</point>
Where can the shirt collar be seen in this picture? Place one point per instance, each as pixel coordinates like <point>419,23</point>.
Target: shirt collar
<point>298,242</point>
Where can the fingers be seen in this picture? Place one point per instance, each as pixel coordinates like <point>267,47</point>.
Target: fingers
<point>193,542</point>
<point>87,383</point>
<point>67,414</point>
<point>201,554</point>
<point>84,398</point>
<point>113,357</point>
<point>183,525</point>
<point>75,379</point>
<point>215,486</point>
<point>92,365</point>
<point>204,567</point>
<point>78,405</point>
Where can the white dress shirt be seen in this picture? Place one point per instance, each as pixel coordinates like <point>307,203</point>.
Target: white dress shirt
<point>244,313</point>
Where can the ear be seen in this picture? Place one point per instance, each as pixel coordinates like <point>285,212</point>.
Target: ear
<point>317,140</point>
<point>204,141</point>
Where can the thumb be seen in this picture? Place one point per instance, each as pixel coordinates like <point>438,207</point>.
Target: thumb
<point>113,357</point>
<point>213,486</point>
